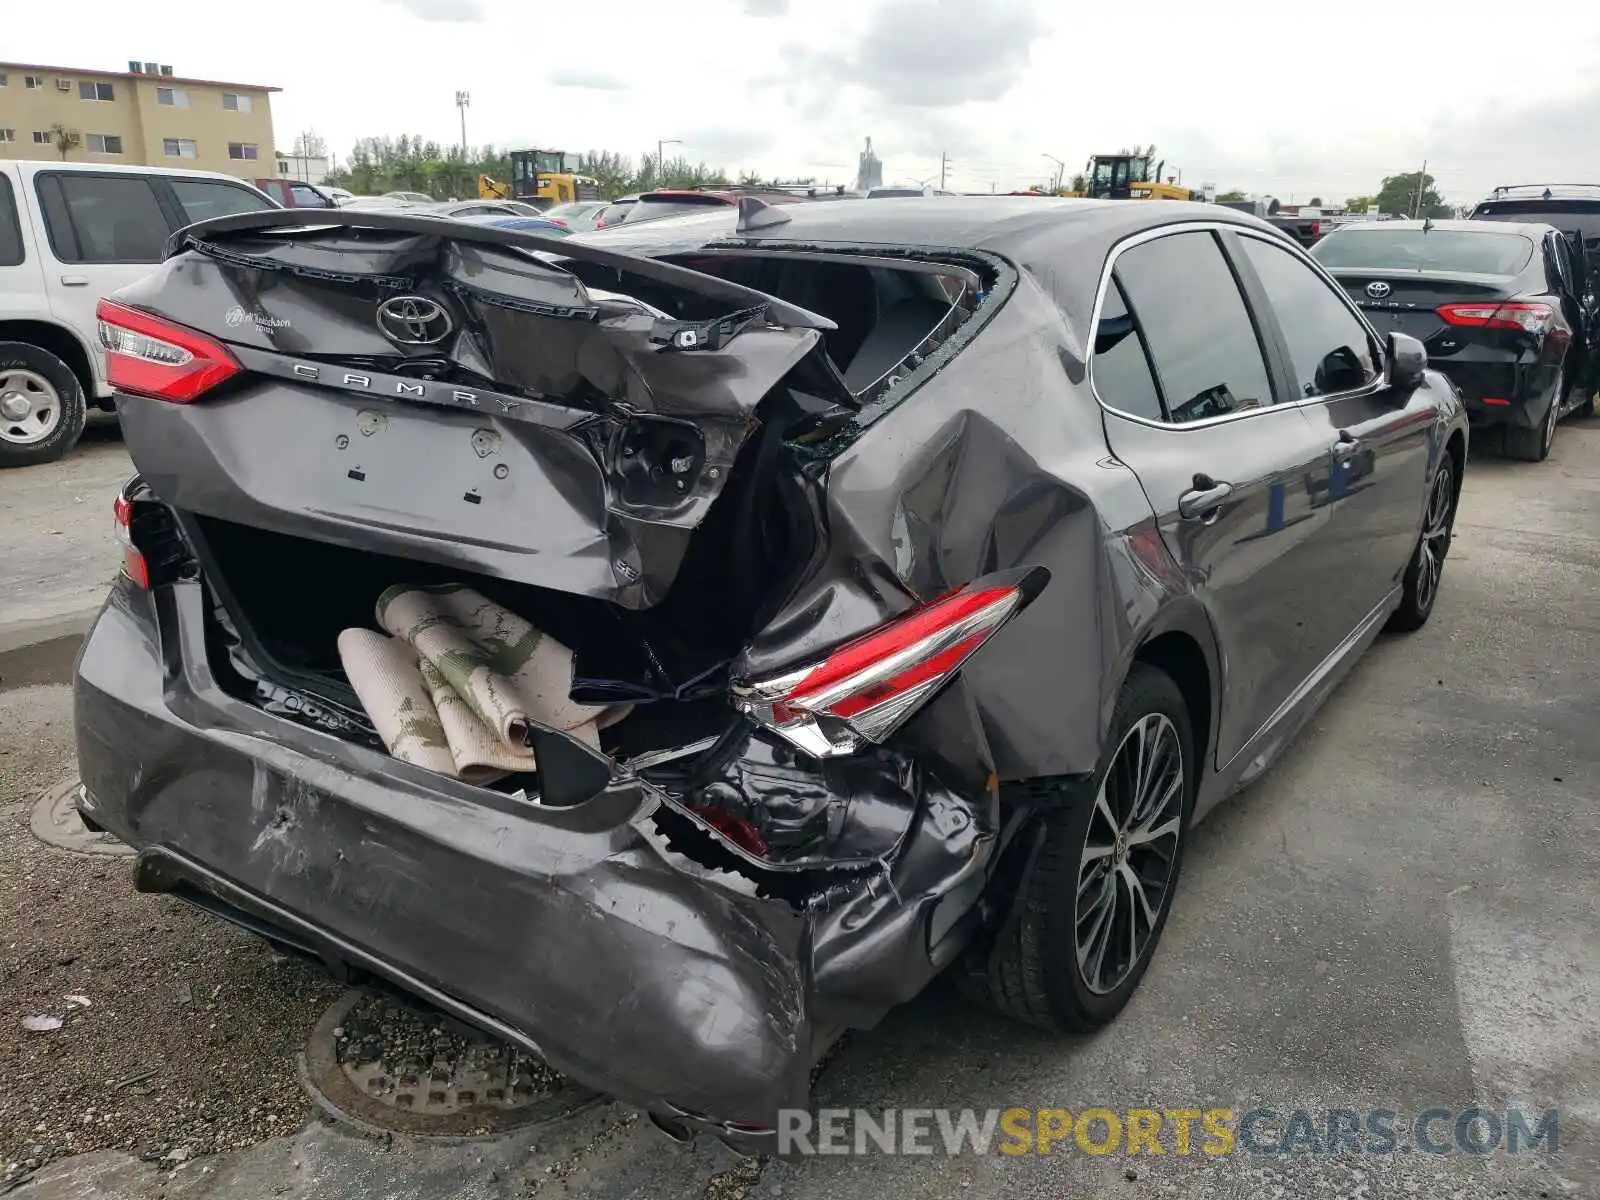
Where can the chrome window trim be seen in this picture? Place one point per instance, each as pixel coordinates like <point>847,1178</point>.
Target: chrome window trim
<point>1212,226</point>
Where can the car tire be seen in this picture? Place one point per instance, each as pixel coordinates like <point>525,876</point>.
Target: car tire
<point>1533,445</point>
<point>1034,971</point>
<point>1420,584</point>
<point>32,378</point>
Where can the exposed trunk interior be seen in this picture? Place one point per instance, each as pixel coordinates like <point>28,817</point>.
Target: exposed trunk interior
<point>288,598</point>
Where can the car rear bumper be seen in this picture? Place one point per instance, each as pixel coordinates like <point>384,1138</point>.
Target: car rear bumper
<point>1498,391</point>
<point>582,934</point>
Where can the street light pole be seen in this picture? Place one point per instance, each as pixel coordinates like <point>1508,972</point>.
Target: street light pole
<point>462,100</point>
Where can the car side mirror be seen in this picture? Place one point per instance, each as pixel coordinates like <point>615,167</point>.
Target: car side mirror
<point>1408,359</point>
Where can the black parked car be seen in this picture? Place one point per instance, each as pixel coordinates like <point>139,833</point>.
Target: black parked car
<point>1501,309</point>
<point>955,556</point>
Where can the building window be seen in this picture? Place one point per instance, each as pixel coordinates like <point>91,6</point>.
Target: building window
<point>179,147</point>
<point>41,137</point>
<point>96,91</point>
<point>174,97</point>
<point>234,102</point>
<point>245,150</point>
<point>102,143</point>
<point>8,135</point>
<point>32,81</point>
<point>4,79</point>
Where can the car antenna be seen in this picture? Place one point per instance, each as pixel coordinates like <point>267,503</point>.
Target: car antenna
<point>755,213</point>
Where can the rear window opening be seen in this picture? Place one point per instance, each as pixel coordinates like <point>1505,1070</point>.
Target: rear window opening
<point>889,317</point>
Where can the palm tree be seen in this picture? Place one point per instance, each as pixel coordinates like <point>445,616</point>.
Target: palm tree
<point>66,140</point>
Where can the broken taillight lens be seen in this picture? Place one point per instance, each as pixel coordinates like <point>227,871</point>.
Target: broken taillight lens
<point>148,356</point>
<point>134,565</point>
<point>868,688</point>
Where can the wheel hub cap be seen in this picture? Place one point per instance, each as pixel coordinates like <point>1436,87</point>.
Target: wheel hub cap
<point>14,406</point>
<point>1129,850</point>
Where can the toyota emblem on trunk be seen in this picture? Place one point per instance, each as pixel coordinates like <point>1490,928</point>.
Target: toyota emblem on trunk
<point>413,321</point>
<point>1378,289</point>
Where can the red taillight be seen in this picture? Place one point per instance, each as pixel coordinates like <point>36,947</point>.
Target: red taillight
<point>868,688</point>
<point>147,356</point>
<point>1497,401</point>
<point>133,562</point>
<point>557,221</point>
<point>1523,316</point>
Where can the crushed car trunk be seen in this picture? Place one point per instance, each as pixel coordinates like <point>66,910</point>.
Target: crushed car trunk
<point>492,385</point>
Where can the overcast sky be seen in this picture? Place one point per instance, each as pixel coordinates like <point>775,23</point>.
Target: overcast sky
<point>1287,100</point>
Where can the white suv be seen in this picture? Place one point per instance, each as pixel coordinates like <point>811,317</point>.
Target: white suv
<point>71,233</point>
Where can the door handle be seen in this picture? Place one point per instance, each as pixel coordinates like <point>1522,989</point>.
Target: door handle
<point>74,281</point>
<point>1203,502</point>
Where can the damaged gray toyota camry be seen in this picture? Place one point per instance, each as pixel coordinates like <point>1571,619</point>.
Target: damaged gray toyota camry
<point>908,576</point>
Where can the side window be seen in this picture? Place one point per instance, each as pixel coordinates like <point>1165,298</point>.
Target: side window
<point>305,197</point>
<point>1121,366</point>
<point>11,254</point>
<point>1329,348</point>
<point>202,199</point>
<point>102,218</point>
<point>1199,333</point>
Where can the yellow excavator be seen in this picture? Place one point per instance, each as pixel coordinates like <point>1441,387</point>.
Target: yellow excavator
<point>542,178</point>
<point>1129,176</point>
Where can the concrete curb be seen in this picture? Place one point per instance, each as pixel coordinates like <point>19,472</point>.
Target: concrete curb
<point>15,635</point>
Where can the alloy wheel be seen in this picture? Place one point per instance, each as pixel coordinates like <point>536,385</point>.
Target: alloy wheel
<point>1435,537</point>
<point>1129,851</point>
<point>30,407</point>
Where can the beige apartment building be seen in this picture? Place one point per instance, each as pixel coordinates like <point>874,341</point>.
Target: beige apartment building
<point>146,116</point>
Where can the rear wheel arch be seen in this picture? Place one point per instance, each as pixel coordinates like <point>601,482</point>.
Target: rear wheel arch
<point>1179,655</point>
<point>61,342</point>
<point>1456,448</point>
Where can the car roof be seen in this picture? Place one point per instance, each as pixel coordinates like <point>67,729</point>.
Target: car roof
<point>684,193</point>
<point>1047,236</point>
<point>53,164</point>
<point>1531,229</point>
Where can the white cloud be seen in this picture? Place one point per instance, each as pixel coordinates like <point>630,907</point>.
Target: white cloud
<point>580,78</point>
<point>1232,92</point>
<point>443,10</point>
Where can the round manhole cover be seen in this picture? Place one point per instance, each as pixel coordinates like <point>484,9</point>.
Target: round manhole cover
<point>57,823</point>
<point>379,1062</point>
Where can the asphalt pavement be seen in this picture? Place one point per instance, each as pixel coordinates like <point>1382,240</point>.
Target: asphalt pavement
<point>1403,915</point>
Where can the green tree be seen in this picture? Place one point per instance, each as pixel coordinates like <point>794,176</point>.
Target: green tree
<point>1079,183</point>
<point>1232,195</point>
<point>1360,204</point>
<point>1398,196</point>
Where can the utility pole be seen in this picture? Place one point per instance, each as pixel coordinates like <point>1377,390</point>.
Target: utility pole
<point>944,162</point>
<point>661,144</point>
<point>462,100</point>
<point>1422,182</point>
<point>1060,169</point>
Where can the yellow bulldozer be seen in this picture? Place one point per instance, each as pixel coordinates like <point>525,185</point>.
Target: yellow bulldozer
<point>542,178</point>
<point>1129,175</point>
